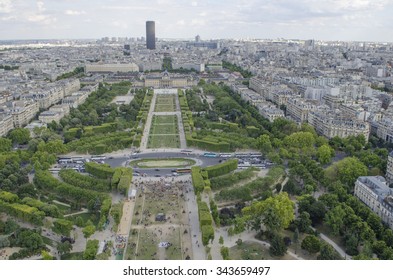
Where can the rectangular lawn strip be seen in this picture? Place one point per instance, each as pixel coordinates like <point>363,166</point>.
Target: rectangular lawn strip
<point>147,245</point>
<point>164,129</point>
<point>164,119</point>
<point>165,103</point>
<point>163,141</point>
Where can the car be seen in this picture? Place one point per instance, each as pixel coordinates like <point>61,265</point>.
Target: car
<point>157,169</point>
<point>157,175</point>
<point>110,157</point>
<point>136,171</point>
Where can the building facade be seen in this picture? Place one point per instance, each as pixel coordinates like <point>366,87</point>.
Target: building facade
<point>376,194</point>
<point>150,35</point>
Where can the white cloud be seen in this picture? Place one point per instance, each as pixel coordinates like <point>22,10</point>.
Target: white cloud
<point>74,13</point>
<point>8,18</point>
<point>180,22</point>
<point>40,6</point>
<point>44,19</point>
<point>5,6</point>
<point>194,4</point>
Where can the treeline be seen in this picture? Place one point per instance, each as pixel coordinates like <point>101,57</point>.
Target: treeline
<point>74,178</point>
<point>45,181</point>
<point>234,68</point>
<point>76,72</point>
<point>99,145</point>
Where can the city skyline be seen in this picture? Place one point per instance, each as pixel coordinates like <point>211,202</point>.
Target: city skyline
<point>358,20</point>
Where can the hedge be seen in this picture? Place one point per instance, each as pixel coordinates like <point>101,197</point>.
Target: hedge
<point>103,171</point>
<point>104,212</point>
<point>222,168</point>
<point>205,218</point>
<point>23,212</point>
<point>74,178</point>
<point>121,179</point>
<point>45,180</point>
<point>197,179</point>
<point>207,234</point>
<point>208,145</point>
<point>49,209</point>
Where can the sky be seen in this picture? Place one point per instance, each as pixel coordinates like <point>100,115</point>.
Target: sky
<point>346,20</point>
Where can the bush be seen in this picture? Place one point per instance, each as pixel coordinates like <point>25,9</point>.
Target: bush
<point>91,250</point>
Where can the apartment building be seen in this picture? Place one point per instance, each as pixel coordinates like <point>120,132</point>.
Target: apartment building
<point>298,109</point>
<point>23,111</point>
<point>6,124</point>
<point>331,123</point>
<point>376,194</point>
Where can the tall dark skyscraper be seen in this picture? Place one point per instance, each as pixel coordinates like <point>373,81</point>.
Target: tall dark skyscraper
<point>150,35</point>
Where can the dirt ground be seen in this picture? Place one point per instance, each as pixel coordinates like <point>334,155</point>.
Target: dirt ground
<point>146,233</point>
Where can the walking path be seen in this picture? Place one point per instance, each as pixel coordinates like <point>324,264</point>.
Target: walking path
<point>198,249</point>
<point>145,136</point>
<point>182,136</point>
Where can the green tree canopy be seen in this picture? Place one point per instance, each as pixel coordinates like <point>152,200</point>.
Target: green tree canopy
<point>20,135</point>
<point>275,212</point>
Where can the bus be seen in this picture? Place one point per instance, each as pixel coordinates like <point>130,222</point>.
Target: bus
<point>255,155</point>
<point>183,170</point>
<point>187,152</point>
<point>64,160</point>
<point>225,155</point>
<point>98,157</point>
<point>210,155</point>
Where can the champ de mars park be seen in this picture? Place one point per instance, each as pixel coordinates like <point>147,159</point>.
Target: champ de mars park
<point>190,173</point>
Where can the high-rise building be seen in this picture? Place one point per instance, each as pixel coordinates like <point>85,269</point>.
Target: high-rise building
<point>150,35</point>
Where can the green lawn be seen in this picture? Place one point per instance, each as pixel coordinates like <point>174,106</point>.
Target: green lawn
<point>165,103</point>
<point>164,132</point>
<point>164,129</point>
<point>163,141</point>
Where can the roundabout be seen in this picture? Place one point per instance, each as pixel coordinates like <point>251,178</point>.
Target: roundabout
<point>163,163</point>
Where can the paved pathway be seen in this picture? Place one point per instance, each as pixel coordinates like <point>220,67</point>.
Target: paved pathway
<point>198,249</point>
<point>145,136</point>
<point>182,136</point>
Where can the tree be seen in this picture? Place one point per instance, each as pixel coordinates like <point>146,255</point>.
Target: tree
<point>328,253</point>
<point>5,145</point>
<point>335,218</point>
<point>64,247</point>
<point>277,246</point>
<point>276,212</point>
<point>264,144</point>
<point>347,171</point>
<point>224,253</point>
<point>311,244</point>
<point>303,222</point>
<point>88,230</point>
<point>325,154</point>
<point>20,135</point>
<point>221,240</point>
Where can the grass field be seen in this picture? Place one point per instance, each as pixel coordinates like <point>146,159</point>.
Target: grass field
<point>165,103</point>
<point>155,163</point>
<point>163,141</point>
<point>164,132</point>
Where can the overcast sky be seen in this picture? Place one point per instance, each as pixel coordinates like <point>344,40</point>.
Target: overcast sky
<point>351,20</point>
